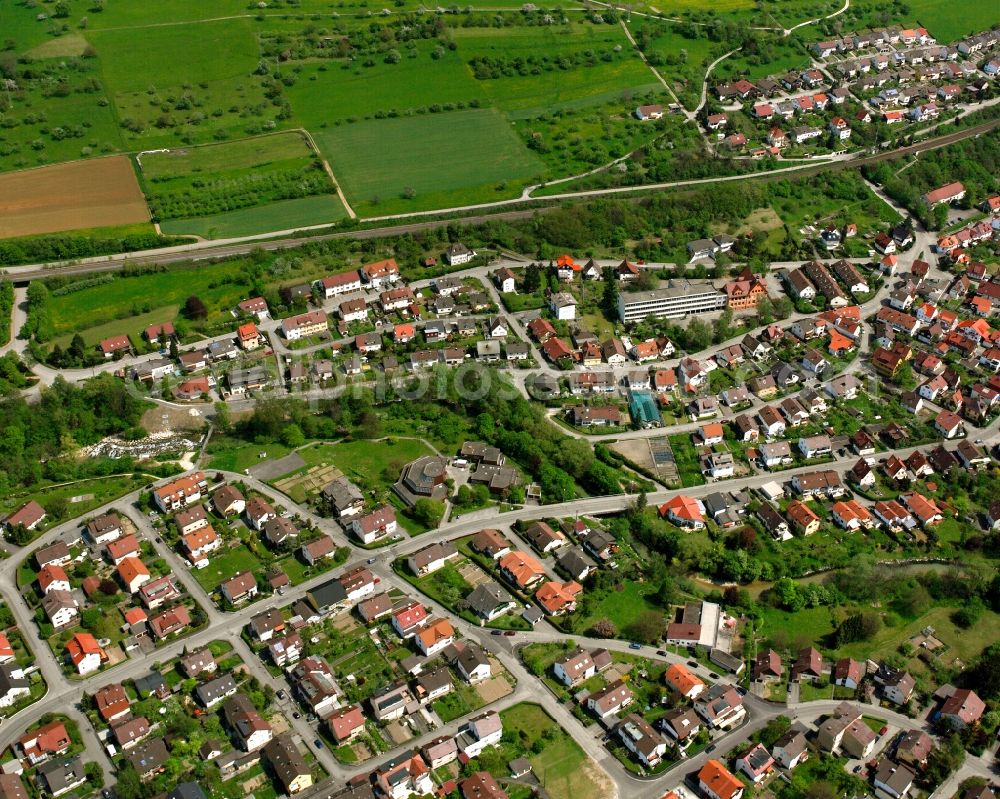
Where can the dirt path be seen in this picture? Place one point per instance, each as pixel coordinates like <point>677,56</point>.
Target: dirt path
<point>329,171</point>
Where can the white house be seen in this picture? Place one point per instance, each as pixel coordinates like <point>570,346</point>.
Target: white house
<point>563,306</point>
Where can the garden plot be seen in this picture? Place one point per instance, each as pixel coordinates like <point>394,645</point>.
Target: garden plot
<point>309,482</point>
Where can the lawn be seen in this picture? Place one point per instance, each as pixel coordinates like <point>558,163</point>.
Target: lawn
<point>622,607</point>
<point>372,465</point>
<point>282,215</point>
<point>129,326</point>
<point>562,767</point>
<point>185,84</point>
<point>414,163</point>
<point>814,625</point>
<point>687,72</point>
<point>44,127</point>
<point>226,564</point>
<point>237,458</point>
<point>463,699</point>
<point>75,499</point>
<point>127,297</point>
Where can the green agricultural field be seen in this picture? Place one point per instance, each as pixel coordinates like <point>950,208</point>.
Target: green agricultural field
<point>608,65</point>
<point>258,152</point>
<point>284,215</point>
<point>436,159</point>
<point>173,55</point>
<point>218,178</point>
<point>948,22</point>
<point>324,94</point>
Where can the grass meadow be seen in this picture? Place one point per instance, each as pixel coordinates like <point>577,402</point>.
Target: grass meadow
<point>371,465</point>
<point>547,90</point>
<point>282,215</point>
<point>174,55</point>
<point>326,93</point>
<point>159,291</point>
<point>452,158</point>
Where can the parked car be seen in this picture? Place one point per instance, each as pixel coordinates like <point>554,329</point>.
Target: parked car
<point>635,645</point>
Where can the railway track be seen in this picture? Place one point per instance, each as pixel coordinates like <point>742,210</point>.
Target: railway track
<point>111,263</point>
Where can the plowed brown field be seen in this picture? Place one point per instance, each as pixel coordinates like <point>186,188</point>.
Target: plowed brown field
<point>103,192</point>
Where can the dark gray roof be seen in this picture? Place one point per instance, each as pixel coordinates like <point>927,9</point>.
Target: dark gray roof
<point>328,594</point>
<point>573,561</point>
<point>187,790</point>
<point>150,683</point>
<point>213,690</point>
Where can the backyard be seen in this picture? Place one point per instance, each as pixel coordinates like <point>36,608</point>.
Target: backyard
<point>561,766</point>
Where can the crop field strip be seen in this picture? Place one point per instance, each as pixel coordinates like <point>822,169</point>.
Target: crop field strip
<point>217,178</point>
<point>79,194</point>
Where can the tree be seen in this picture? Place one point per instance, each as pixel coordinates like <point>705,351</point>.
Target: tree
<point>194,308</point>
<point>698,334</point>
<point>945,759</point>
<point>222,419</point>
<point>428,512</point>
<point>532,278</point>
<point>604,628</point>
<point>648,627</point>
<point>774,730</point>
<point>129,784</point>
<point>609,300</point>
<point>821,789</point>
<point>967,615</point>
<point>940,214</point>
<point>786,594</point>
<point>985,675</point>
<point>95,775</point>
<point>292,436</point>
<point>859,627</point>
